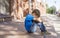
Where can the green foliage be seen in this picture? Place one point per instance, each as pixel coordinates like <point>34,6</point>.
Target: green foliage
<point>51,10</point>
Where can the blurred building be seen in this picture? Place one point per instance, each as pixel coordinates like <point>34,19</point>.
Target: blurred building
<point>19,8</point>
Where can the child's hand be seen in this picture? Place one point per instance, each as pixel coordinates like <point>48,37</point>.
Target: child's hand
<point>35,20</point>
<point>39,19</point>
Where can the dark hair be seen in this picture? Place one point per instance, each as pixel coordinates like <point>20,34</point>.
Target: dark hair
<point>37,12</point>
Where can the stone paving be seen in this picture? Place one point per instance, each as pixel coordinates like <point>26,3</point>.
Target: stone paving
<point>16,30</point>
<point>56,23</point>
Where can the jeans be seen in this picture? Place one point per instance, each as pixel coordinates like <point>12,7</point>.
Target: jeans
<point>34,27</point>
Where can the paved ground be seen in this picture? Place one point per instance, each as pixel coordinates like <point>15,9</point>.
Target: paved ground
<point>17,30</point>
<point>56,23</point>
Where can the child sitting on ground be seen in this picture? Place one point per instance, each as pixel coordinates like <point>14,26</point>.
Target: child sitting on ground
<point>33,20</point>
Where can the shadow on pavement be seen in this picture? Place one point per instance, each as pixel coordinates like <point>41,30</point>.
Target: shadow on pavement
<point>17,30</point>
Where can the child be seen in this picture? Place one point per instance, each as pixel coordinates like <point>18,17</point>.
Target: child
<point>34,20</point>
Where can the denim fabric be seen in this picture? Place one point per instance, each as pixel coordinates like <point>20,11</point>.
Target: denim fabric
<point>41,26</point>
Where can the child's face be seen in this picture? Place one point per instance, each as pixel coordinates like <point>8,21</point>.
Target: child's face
<point>35,15</point>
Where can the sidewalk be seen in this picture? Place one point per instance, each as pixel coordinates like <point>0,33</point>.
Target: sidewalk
<point>55,21</point>
<point>17,30</point>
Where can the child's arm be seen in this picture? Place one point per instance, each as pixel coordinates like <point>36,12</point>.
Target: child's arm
<point>37,20</point>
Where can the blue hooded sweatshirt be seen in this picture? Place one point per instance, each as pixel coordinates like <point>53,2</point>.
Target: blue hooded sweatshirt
<point>28,22</point>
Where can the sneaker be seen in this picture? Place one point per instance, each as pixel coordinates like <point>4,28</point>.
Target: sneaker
<point>47,33</point>
<point>42,33</point>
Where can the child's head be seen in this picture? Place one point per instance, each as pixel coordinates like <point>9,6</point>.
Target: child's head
<point>36,13</point>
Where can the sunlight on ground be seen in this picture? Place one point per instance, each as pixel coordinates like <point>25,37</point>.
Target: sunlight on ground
<point>8,27</point>
<point>53,34</point>
<point>2,32</point>
<point>49,27</point>
<point>37,33</point>
<point>17,36</point>
<point>58,32</point>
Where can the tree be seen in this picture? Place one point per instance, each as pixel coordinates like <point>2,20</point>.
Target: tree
<point>51,10</point>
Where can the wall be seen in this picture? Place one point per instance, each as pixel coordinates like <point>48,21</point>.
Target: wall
<point>17,8</point>
<point>4,6</point>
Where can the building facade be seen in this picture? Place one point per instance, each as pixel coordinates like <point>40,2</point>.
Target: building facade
<point>18,8</point>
